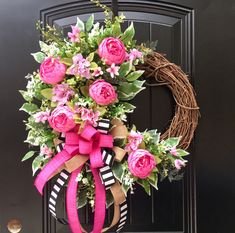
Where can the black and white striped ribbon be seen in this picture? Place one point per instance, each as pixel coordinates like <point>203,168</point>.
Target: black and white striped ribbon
<point>123,216</point>
<point>60,182</point>
<point>60,146</point>
<point>103,126</point>
<point>107,177</point>
<point>108,156</point>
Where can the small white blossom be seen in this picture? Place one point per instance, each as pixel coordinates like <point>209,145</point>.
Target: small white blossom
<point>92,203</point>
<point>128,181</point>
<point>85,181</point>
<point>79,177</point>
<point>95,30</point>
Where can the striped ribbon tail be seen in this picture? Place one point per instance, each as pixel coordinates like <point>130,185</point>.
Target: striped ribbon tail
<point>60,182</point>
<point>123,216</point>
<point>107,177</point>
<point>103,126</point>
<point>108,156</point>
<point>60,146</point>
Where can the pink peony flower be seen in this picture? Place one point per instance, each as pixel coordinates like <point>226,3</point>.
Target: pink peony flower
<point>179,164</point>
<point>97,72</point>
<point>80,66</point>
<point>41,116</point>
<point>134,140</point>
<point>89,115</point>
<point>45,150</point>
<point>52,71</point>
<point>62,93</point>
<point>113,70</point>
<point>173,151</point>
<point>61,119</point>
<point>103,93</point>
<point>74,35</point>
<point>134,54</point>
<point>141,163</point>
<point>112,50</point>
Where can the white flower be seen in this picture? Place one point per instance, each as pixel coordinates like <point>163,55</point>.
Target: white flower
<point>79,177</point>
<point>92,203</point>
<point>85,181</point>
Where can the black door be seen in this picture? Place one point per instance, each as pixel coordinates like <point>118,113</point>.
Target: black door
<point>197,35</point>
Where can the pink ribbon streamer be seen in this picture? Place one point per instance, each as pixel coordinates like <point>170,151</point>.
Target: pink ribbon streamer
<point>71,202</point>
<point>50,169</point>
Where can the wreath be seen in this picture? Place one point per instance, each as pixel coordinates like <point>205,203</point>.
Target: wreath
<point>78,103</point>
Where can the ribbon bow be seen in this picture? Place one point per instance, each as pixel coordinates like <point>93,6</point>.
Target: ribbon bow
<point>89,142</point>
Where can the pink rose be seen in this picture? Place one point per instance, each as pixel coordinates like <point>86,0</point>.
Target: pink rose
<point>61,119</point>
<point>112,50</point>
<point>103,93</point>
<point>141,163</point>
<point>52,71</point>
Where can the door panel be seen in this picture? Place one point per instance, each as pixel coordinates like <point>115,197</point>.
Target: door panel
<point>166,210</point>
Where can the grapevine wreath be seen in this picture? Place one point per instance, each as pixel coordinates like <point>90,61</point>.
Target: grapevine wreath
<point>78,103</point>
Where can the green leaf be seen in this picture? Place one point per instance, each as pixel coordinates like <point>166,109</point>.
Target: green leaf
<point>80,24</point>
<point>172,142</point>
<point>125,188</point>
<point>118,171</point>
<point>145,184</point>
<point>29,108</point>
<point>85,90</point>
<point>28,155</point>
<point>154,135</point>
<point>93,65</point>
<point>82,198</point>
<point>129,108</point>
<point>39,56</point>
<point>128,91</point>
<point>125,69</point>
<point>47,93</point>
<point>116,29</point>
<point>128,34</point>
<point>44,47</point>
<point>37,163</point>
<point>67,61</point>
<point>157,159</point>
<point>120,142</point>
<point>89,23</point>
<point>128,88</point>
<point>134,75</point>
<point>153,180</point>
<point>181,152</point>
<point>91,57</point>
<point>25,95</point>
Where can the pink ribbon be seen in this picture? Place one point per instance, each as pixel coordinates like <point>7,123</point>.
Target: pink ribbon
<point>71,201</point>
<point>89,142</point>
<point>50,169</point>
